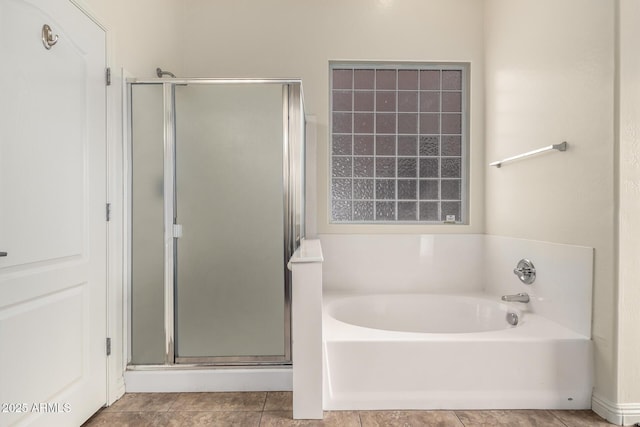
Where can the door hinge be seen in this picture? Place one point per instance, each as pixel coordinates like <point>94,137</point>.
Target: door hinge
<point>108,346</point>
<point>108,212</point>
<point>108,76</point>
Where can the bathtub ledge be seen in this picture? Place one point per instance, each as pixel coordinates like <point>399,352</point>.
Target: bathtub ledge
<point>309,251</point>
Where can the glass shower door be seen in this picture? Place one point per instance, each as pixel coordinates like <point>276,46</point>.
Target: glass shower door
<point>229,202</point>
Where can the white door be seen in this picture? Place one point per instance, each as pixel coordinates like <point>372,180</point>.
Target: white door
<point>52,215</point>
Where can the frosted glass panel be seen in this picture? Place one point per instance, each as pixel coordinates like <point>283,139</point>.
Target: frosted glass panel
<point>402,123</point>
<point>229,199</point>
<point>147,227</point>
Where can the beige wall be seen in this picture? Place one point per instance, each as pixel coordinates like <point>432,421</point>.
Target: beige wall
<point>550,78</point>
<point>142,34</point>
<point>629,205</point>
<point>292,38</point>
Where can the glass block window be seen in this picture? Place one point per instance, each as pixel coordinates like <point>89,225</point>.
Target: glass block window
<point>398,143</point>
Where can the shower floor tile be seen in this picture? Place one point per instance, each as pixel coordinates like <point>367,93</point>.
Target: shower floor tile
<point>254,409</point>
<point>219,418</point>
<point>331,419</point>
<point>247,401</point>
<point>279,401</point>
<point>581,418</point>
<point>509,418</point>
<point>123,419</point>
<point>144,402</point>
<point>409,418</point>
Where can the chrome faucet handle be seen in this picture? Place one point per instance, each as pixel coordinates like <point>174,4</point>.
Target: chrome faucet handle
<point>525,271</point>
<point>520,271</point>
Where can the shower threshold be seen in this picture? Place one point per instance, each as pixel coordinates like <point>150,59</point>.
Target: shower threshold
<point>207,378</point>
<point>209,365</point>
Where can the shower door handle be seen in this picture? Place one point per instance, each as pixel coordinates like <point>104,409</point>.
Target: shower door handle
<point>3,254</point>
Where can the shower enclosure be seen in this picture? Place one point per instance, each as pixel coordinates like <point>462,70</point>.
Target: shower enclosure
<point>216,210</point>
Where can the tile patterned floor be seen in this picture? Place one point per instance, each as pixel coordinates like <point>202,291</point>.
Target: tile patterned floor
<point>274,409</point>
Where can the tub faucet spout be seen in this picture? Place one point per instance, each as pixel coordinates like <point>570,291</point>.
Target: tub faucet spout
<point>521,297</point>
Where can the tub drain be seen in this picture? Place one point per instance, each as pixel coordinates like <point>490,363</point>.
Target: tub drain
<point>512,319</point>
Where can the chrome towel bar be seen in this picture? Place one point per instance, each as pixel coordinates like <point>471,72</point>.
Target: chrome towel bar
<point>560,147</point>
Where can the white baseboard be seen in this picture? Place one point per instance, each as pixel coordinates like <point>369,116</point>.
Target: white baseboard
<point>622,414</point>
<point>208,380</point>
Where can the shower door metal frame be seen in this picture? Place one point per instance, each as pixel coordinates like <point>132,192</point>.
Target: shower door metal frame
<point>169,200</point>
<point>293,124</point>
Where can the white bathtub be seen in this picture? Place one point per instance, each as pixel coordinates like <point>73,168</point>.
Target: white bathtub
<point>421,351</point>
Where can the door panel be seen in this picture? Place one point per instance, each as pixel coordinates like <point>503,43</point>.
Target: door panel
<point>34,89</point>
<point>38,319</point>
<point>52,214</point>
